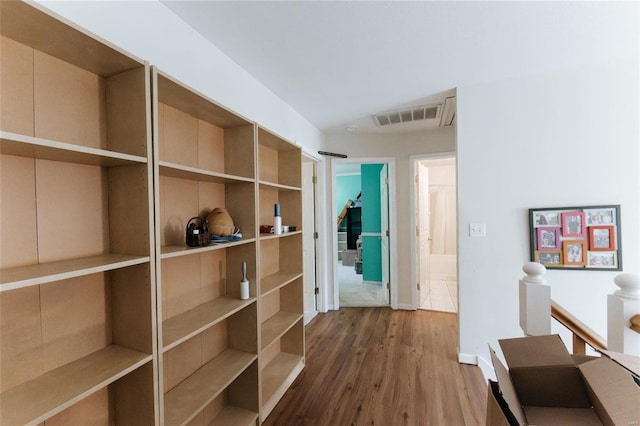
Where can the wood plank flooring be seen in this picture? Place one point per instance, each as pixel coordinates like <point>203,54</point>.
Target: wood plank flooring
<point>376,366</point>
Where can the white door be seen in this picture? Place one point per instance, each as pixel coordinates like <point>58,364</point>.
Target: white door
<point>384,228</point>
<point>309,240</point>
<point>423,215</point>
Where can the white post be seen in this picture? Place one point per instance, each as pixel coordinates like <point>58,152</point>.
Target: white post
<point>535,301</point>
<point>621,306</point>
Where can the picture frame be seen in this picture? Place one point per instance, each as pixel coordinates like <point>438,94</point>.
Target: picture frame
<point>602,259</point>
<point>573,224</point>
<point>600,216</point>
<point>574,252</point>
<point>595,228</point>
<point>548,238</point>
<point>550,259</point>
<point>546,218</point>
<point>601,238</point>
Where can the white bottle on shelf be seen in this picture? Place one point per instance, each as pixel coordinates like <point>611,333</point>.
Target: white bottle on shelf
<point>244,283</point>
<point>277,220</point>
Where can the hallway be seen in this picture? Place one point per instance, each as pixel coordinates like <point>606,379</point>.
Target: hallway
<point>376,366</point>
<point>355,293</point>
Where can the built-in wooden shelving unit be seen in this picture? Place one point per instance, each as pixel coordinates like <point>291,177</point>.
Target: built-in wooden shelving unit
<point>77,264</point>
<point>281,310</point>
<point>205,159</point>
<point>106,315</point>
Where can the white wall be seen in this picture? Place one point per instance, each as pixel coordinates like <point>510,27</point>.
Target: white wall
<point>400,147</point>
<point>567,138</point>
<point>150,31</point>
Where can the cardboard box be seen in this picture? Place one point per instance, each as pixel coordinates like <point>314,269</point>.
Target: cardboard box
<point>545,385</point>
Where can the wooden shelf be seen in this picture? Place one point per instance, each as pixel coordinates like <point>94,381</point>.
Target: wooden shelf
<point>182,327</point>
<point>266,185</point>
<point>277,325</point>
<point>189,397</point>
<point>36,400</point>
<point>277,376</point>
<point>192,173</point>
<point>45,149</point>
<point>274,142</point>
<point>277,280</point>
<point>283,235</point>
<point>279,162</point>
<point>25,276</point>
<point>184,250</point>
<point>179,96</point>
<point>236,416</point>
<point>28,24</point>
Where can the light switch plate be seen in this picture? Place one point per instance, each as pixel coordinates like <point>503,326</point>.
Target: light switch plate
<point>477,230</point>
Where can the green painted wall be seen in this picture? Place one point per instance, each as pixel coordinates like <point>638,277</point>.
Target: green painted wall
<point>371,218</point>
<point>370,176</point>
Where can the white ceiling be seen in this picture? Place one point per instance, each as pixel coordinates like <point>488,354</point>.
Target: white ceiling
<point>338,62</point>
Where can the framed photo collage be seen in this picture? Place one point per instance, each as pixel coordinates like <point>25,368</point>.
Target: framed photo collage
<point>578,238</point>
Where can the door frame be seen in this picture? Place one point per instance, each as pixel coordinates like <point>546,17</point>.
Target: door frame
<point>421,179</point>
<point>384,225</point>
<point>414,248</point>
<point>393,229</point>
<point>322,244</point>
<point>309,289</point>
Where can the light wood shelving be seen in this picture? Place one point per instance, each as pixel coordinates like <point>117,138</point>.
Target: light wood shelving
<point>77,286</point>
<point>106,315</point>
<point>281,304</point>
<point>205,158</point>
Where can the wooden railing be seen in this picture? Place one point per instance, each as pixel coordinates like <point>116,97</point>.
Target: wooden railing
<point>582,334</point>
<point>635,323</point>
<point>623,320</point>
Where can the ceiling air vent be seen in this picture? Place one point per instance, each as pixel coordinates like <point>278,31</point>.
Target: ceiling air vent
<point>417,113</point>
<point>448,112</point>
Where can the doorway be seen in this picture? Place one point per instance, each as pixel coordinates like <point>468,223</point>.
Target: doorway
<point>435,245</point>
<point>362,223</point>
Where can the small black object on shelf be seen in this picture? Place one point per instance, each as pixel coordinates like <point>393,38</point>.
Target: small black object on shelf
<point>197,236</point>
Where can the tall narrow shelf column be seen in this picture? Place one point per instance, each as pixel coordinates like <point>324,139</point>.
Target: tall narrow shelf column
<point>280,259</point>
<point>204,159</point>
<point>77,271</point>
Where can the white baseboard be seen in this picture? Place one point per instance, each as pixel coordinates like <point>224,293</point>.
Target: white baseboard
<point>487,369</point>
<point>330,307</point>
<point>406,307</point>
<point>372,282</point>
<point>467,359</point>
<point>309,315</point>
<point>483,364</point>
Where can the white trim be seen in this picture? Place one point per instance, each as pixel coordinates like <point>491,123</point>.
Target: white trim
<point>393,226</point>
<point>348,174</point>
<point>371,234</point>
<point>406,307</point>
<point>321,220</point>
<point>372,282</point>
<point>487,369</point>
<point>485,366</point>
<point>467,359</point>
<point>309,315</point>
